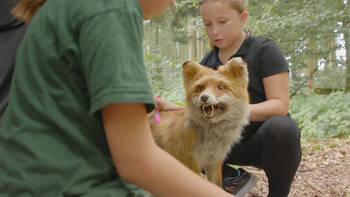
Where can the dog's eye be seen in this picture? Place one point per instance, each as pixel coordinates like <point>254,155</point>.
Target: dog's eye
<point>221,87</point>
<point>200,88</point>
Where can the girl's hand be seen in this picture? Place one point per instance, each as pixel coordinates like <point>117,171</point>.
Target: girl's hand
<point>166,106</point>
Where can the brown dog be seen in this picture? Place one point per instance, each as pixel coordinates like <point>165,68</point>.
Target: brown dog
<point>217,107</point>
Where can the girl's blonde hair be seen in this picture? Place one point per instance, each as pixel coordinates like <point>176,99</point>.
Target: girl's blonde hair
<point>25,9</point>
<point>238,5</point>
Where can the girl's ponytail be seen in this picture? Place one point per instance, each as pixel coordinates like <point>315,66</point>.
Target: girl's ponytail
<point>25,9</point>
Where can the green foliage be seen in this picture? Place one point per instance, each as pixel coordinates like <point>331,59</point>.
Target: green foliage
<point>166,78</point>
<point>332,145</point>
<point>317,147</point>
<point>325,79</point>
<point>322,116</point>
<point>309,32</point>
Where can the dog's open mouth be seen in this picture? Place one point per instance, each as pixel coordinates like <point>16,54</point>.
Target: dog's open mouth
<point>210,110</point>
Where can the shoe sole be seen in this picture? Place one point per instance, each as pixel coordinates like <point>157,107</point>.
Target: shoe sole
<point>248,186</point>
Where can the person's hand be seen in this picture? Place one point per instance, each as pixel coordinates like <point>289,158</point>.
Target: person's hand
<point>166,106</point>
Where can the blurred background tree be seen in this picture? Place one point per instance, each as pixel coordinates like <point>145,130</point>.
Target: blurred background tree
<point>313,34</point>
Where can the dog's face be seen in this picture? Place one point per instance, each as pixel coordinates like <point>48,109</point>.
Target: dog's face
<point>213,95</point>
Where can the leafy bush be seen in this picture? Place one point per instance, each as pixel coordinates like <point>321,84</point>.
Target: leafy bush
<point>322,116</point>
<point>166,78</point>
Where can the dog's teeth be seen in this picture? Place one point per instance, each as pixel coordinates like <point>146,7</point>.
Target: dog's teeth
<point>208,109</point>
<point>211,110</point>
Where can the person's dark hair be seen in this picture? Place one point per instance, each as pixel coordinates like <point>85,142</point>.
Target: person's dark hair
<point>25,9</point>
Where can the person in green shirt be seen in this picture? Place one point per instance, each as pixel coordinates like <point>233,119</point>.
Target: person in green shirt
<point>76,124</point>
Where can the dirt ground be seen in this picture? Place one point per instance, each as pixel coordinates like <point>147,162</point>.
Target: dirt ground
<point>323,172</point>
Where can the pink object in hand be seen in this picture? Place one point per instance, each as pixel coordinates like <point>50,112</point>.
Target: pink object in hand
<point>156,114</point>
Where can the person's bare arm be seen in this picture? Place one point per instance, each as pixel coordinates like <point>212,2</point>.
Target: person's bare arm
<point>139,160</point>
<point>277,94</point>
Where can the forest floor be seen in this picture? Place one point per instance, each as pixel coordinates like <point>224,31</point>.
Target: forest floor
<point>323,172</point>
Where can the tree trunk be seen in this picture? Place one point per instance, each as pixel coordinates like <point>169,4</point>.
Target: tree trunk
<point>192,41</point>
<point>199,43</point>
<point>182,52</point>
<point>347,49</point>
<point>311,64</point>
<point>155,47</point>
<point>203,43</point>
<point>293,75</point>
<point>331,61</point>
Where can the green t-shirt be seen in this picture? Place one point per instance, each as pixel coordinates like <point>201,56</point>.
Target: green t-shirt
<point>76,57</point>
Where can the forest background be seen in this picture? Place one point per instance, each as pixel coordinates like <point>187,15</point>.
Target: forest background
<point>314,36</point>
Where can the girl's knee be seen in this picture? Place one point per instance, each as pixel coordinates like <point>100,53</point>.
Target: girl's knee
<point>281,128</point>
<point>281,134</point>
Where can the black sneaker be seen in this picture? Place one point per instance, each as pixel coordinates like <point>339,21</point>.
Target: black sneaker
<point>239,182</point>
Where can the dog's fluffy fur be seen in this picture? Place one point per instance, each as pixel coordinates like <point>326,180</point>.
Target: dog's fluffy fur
<point>217,107</point>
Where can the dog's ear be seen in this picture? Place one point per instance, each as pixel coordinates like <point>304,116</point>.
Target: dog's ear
<point>189,70</point>
<point>236,68</point>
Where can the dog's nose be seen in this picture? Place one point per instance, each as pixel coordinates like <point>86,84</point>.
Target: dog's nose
<point>204,97</point>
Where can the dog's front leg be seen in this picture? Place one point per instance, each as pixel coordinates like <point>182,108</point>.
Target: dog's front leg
<point>218,174</point>
<point>211,173</point>
<point>214,174</point>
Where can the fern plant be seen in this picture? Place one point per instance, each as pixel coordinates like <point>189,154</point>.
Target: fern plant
<point>322,116</point>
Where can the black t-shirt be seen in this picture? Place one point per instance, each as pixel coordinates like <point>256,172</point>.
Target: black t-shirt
<point>263,58</point>
<point>11,33</point>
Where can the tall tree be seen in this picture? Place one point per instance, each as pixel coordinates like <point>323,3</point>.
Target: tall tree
<point>347,49</point>
<point>192,39</point>
<point>346,31</point>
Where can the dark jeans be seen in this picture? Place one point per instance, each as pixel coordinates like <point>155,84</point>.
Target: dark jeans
<point>274,146</point>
